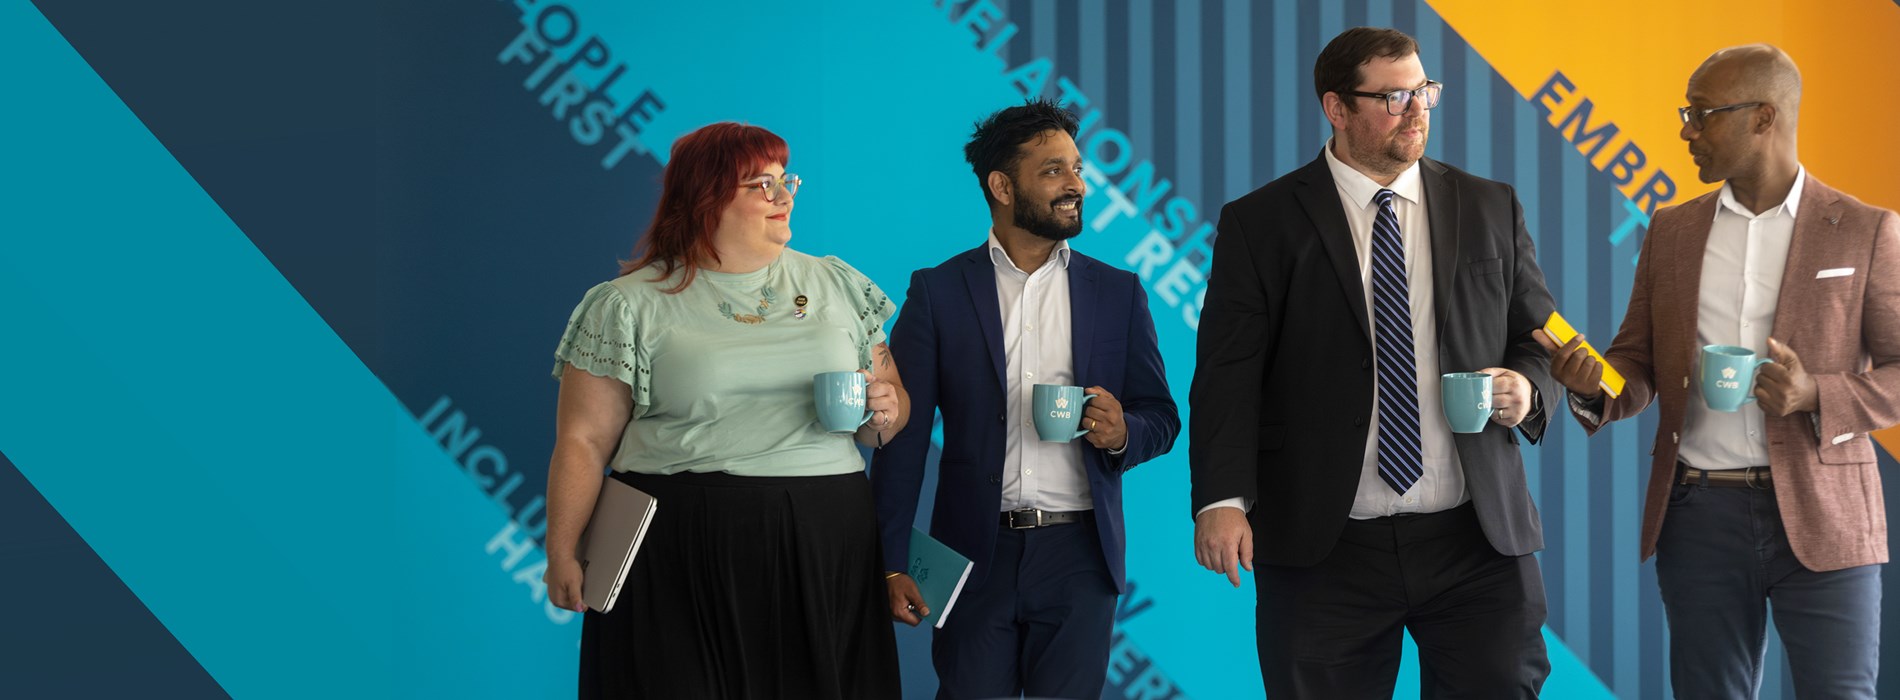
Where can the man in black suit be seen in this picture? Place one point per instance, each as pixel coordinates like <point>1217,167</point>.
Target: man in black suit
<point>1338,295</point>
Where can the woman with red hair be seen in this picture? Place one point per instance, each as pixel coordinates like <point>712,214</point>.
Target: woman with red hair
<point>691,377</point>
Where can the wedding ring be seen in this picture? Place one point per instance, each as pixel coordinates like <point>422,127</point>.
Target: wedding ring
<point>1091,424</point>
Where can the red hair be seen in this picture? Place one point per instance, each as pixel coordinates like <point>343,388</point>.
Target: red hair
<point>701,179</point>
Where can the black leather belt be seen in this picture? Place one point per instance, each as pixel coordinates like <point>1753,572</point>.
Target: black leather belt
<point>1025,518</point>
<point>1745,478</point>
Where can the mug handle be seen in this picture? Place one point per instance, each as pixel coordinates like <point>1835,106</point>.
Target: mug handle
<point>1750,398</point>
<point>1085,402</point>
<point>868,378</point>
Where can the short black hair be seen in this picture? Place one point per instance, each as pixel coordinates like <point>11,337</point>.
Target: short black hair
<point>1337,68</point>
<point>997,142</point>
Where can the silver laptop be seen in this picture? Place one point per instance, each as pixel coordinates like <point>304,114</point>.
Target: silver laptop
<point>621,516</point>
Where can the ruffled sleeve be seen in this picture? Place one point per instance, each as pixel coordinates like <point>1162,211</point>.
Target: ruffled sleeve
<point>603,339</point>
<point>868,303</point>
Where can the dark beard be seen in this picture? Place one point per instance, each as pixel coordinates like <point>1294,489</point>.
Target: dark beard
<point>1045,224</point>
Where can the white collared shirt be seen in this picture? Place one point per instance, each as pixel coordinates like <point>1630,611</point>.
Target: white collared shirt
<point>1741,286</point>
<point>1037,345</point>
<point>1443,485</point>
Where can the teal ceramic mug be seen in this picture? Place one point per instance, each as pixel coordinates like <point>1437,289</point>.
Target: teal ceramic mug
<point>1466,397</point>
<point>1728,376</point>
<point>840,400</point>
<point>1058,410</point>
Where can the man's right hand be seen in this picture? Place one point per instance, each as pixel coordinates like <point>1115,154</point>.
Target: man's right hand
<point>907,603</point>
<point>1223,542</point>
<point>563,578</point>
<point>1572,366</point>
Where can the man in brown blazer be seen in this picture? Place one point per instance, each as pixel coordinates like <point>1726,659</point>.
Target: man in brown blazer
<point>1777,502</point>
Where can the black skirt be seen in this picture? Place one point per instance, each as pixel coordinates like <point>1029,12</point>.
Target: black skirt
<point>748,587</point>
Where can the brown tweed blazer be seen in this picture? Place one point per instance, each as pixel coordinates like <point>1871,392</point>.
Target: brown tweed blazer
<point>1845,328</point>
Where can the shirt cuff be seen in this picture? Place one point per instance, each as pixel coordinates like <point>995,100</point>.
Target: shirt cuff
<point>1244,504</point>
<point>1590,409</point>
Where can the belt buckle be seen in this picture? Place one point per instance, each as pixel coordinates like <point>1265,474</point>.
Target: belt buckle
<point>1749,477</point>
<point>1036,522</point>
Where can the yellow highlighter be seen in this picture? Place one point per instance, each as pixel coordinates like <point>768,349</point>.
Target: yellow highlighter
<point>1559,330</point>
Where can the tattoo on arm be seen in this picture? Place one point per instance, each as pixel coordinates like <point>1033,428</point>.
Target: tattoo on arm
<point>883,355</point>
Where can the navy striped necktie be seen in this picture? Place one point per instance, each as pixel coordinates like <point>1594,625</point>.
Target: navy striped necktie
<point>1399,449</point>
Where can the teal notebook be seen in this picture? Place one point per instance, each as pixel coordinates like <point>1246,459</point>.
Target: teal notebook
<point>939,572</point>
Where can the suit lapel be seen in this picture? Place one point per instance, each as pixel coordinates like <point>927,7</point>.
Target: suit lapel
<point>1081,313</point>
<point>1441,207</point>
<point>1814,230</point>
<point>980,275</point>
<point>1687,259</point>
<point>1319,196</point>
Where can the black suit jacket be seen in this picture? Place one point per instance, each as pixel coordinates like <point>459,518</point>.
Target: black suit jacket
<point>1283,387</point>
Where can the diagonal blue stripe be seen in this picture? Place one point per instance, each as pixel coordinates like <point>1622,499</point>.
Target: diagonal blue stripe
<point>348,537</point>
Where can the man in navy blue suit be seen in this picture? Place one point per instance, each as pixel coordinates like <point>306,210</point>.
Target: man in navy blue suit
<point>1042,521</point>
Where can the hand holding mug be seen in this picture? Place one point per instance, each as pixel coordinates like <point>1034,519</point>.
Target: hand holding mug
<point>1510,395</point>
<point>880,398</point>
<point>1102,418</point>
<point>1785,386</point>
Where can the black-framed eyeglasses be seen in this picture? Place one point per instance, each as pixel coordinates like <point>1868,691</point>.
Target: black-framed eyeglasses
<point>1397,101</point>
<point>770,186</point>
<point>1696,117</point>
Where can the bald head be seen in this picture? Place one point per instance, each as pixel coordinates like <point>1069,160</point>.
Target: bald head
<point>1752,73</point>
<point>1740,122</point>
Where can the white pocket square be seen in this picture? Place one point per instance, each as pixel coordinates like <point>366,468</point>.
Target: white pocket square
<point>1836,272</point>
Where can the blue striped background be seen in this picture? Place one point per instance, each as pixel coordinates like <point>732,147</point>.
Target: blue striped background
<point>1219,96</point>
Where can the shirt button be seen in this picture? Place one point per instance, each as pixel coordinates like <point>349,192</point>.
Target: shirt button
<point>1027,472</point>
<point>1409,500</point>
<point>1029,375</point>
<point>1028,327</point>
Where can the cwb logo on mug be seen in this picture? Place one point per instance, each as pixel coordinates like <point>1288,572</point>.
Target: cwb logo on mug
<point>1055,419</point>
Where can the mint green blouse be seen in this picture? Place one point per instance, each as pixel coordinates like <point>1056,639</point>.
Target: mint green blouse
<point>722,372</point>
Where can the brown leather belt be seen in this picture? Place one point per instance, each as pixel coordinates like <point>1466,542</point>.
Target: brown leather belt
<point>1745,478</point>
<point>1025,518</point>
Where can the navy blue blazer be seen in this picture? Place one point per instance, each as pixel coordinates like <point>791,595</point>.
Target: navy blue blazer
<point>948,344</point>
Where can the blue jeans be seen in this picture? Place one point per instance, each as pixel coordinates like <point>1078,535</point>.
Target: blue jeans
<point>1722,561</point>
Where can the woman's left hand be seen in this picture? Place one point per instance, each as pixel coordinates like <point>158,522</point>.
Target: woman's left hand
<point>885,398</point>
<point>880,398</point>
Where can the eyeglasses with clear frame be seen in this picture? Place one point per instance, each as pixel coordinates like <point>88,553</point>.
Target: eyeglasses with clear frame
<point>1696,118</point>
<point>1398,101</point>
<point>770,186</point>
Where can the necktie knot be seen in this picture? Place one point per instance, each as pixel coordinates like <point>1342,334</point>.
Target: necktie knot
<point>1383,198</point>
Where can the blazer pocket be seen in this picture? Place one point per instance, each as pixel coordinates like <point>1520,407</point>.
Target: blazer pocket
<point>1487,266</point>
<point>1859,450</point>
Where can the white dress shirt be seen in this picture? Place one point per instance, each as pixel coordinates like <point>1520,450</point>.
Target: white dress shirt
<point>1036,343</point>
<point>1741,285</point>
<point>1443,485</point>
